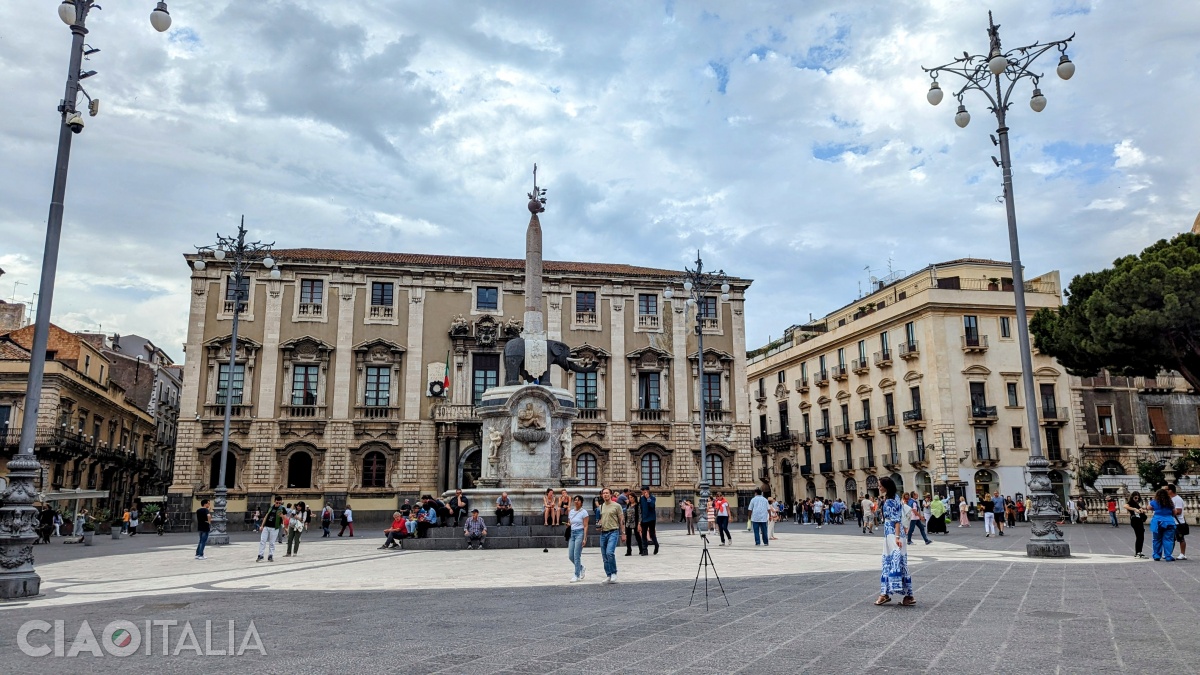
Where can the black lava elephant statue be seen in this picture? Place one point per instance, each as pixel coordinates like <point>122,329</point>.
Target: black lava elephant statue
<point>557,353</point>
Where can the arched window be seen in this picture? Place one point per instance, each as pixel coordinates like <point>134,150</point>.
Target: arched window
<point>299,473</point>
<point>215,470</point>
<point>714,472</point>
<point>585,469</point>
<point>374,470</point>
<point>651,469</point>
<point>1112,468</point>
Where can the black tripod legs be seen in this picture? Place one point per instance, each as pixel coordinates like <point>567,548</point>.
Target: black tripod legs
<point>706,561</point>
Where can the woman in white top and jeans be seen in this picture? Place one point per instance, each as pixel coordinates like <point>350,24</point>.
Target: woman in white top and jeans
<point>578,518</point>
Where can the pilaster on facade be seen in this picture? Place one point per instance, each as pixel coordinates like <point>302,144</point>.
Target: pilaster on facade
<point>413,380</point>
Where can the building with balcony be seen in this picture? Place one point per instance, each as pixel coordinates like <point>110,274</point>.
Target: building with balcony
<point>337,386</point>
<point>91,434</point>
<point>1119,421</point>
<point>919,380</point>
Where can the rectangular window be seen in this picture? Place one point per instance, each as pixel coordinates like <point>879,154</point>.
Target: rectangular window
<point>712,391</point>
<point>1016,434</point>
<point>821,363</point>
<point>783,418</point>
<point>762,388</point>
<point>845,417</point>
<point>866,409</point>
<point>223,385</point>
<point>920,441</point>
<point>883,343</point>
<point>381,293</point>
<point>379,385</point>
<point>232,293</point>
<point>862,351</point>
<point>648,391</point>
<point>804,370</point>
<point>707,307</point>
<point>915,393</point>
<point>889,409</point>
<point>312,291</point>
<point>910,333</point>
<point>971,330</point>
<point>894,445</point>
<point>1049,403</point>
<point>807,428</point>
<point>485,374</point>
<point>647,304</point>
<point>304,385</point>
<point>1005,327</point>
<point>825,419</point>
<point>1011,388</point>
<point>585,390</point>
<point>978,397</point>
<point>585,301</point>
<point>781,377</point>
<point>841,357</point>
<point>1053,444</point>
<point>487,298</point>
<point>1104,420</point>
<point>87,364</point>
<point>762,425</point>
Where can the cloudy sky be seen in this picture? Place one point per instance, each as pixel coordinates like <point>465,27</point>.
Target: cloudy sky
<point>790,142</point>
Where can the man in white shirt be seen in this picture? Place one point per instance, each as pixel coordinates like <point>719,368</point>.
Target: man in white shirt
<point>760,515</point>
<point>868,511</point>
<point>347,521</point>
<point>818,509</point>
<point>1181,528</point>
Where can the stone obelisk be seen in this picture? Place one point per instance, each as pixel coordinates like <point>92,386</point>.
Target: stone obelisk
<point>534,330</point>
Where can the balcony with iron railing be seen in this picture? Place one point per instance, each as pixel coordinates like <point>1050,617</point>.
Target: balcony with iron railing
<point>802,385</point>
<point>868,464</point>
<point>843,432</point>
<point>779,440</point>
<point>649,321</point>
<point>838,372</point>
<point>918,459</point>
<point>806,470</point>
<point>914,419</point>
<point>846,466</point>
<point>821,379</point>
<point>1160,437</point>
<point>1110,440</point>
<point>974,342</point>
<point>804,438</point>
<point>310,309</point>
<point>1051,416</point>
<point>822,435</point>
<point>910,350</point>
<point>891,461</point>
<point>861,366</point>
<point>887,424</point>
<point>883,358</point>
<point>381,312</point>
<point>985,455</point>
<point>826,468</point>
<point>863,428</point>
<point>982,415</point>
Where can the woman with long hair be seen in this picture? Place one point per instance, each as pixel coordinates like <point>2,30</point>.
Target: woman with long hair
<point>1137,520</point>
<point>1162,526</point>
<point>895,578</point>
<point>963,520</point>
<point>989,518</point>
<point>549,508</point>
<point>578,518</point>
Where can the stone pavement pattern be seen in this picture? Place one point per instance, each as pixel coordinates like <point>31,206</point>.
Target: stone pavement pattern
<point>803,605</point>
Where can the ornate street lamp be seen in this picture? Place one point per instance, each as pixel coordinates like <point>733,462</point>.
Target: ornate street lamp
<point>18,517</point>
<point>995,76</point>
<point>241,256</point>
<point>698,285</point>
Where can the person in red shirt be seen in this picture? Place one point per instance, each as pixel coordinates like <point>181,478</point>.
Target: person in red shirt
<point>1112,512</point>
<point>721,509</point>
<point>396,532</point>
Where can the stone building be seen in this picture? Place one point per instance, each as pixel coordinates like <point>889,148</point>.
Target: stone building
<point>90,433</point>
<point>919,380</point>
<point>338,386</point>
<point>1120,421</point>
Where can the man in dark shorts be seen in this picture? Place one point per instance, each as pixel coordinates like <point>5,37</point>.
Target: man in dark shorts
<point>203,525</point>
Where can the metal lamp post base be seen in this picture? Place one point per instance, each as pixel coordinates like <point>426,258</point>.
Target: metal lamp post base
<point>1046,540</point>
<point>219,536</point>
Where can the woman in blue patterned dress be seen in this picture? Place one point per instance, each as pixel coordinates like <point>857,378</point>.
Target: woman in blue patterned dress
<point>894,579</point>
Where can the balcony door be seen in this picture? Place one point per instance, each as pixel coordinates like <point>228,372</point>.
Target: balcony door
<point>485,374</point>
<point>978,398</point>
<point>648,391</point>
<point>971,330</point>
<point>1049,405</point>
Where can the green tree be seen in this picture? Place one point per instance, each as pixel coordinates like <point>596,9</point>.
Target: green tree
<point>1138,317</point>
<point>1151,473</point>
<point>1088,473</point>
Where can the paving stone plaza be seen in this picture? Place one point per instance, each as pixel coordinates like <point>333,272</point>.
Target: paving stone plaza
<point>801,605</point>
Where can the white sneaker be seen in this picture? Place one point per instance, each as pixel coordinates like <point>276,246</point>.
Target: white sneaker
<point>574,579</point>
<point>200,557</point>
<point>612,579</point>
<point>1181,557</point>
<point>582,571</point>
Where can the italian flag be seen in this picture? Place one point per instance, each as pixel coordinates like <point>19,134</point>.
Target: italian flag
<point>446,376</point>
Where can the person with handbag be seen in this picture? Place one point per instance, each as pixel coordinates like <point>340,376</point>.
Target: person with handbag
<point>894,578</point>
<point>577,524</point>
<point>296,523</point>
<point>1162,526</point>
<point>326,520</point>
<point>918,518</point>
<point>1137,521</point>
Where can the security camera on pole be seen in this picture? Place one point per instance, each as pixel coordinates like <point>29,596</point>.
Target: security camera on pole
<point>995,76</point>
<point>241,256</point>
<point>698,284</point>
<point>17,577</point>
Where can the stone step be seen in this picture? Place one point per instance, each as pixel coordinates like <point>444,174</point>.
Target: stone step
<point>502,531</point>
<point>460,543</point>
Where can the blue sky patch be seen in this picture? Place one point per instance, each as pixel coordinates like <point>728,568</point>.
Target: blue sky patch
<point>185,36</point>
<point>1091,163</point>
<point>722,73</point>
<point>831,151</point>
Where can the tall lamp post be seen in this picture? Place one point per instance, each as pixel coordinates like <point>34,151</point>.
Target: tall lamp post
<point>242,256</point>
<point>698,286</point>
<point>995,76</point>
<point>18,517</point>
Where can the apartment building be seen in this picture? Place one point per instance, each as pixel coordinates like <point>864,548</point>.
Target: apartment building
<point>919,380</point>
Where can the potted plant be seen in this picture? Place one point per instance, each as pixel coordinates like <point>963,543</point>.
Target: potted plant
<point>993,283</point>
<point>89,531</point>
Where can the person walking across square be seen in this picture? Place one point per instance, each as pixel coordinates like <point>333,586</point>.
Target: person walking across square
<point>203,526</point>
<point>612,531</point>
<point>646,507</point>
<point>347,521</point>
<point>269,530</point>
<point>760,514</point>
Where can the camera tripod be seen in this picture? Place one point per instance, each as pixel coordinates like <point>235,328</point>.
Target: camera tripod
<point>706,561</point>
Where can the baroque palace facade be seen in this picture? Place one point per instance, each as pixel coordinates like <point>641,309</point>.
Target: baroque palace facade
<point>920,380</point>
<point>338,390</point>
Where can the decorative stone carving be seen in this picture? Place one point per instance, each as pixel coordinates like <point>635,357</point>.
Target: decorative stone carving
<point>495,438</point>
<point>486,332</point>
<point>459,326</point>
